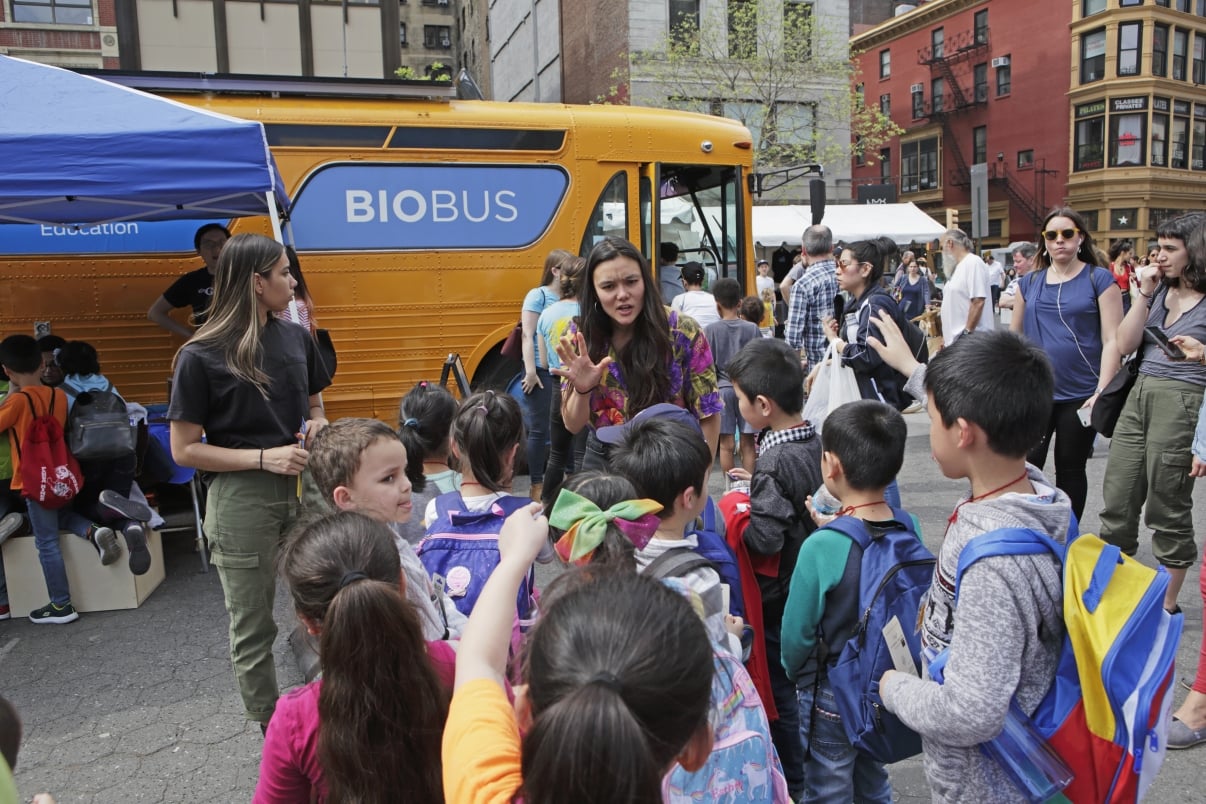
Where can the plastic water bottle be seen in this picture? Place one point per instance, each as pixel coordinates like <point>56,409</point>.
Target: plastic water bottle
<point>824,502</point>
<point>1030,762</point>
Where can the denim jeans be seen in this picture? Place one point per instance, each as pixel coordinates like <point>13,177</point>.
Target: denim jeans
<point>538,424</point>
<point>46,525</point>
<point>785,731</point>
<point>566,449</point>
<point>835,773</point>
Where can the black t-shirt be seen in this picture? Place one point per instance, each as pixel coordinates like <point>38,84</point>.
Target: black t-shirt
<point>196,288</point>
<point>232,411</point>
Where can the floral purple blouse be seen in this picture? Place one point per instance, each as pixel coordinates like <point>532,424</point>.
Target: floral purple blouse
<point>693,384</point>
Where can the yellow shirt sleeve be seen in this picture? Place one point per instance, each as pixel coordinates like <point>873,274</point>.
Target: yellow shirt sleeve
<point>481,746</point>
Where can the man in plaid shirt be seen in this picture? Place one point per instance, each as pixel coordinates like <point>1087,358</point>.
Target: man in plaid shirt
<point>812,297</point>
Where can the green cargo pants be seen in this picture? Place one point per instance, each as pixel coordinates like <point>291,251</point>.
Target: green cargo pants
<point>247,516</point>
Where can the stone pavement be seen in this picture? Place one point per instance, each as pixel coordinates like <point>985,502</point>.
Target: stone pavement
<point>141,706</point>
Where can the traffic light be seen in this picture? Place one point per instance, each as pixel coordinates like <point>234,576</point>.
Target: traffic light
<point>952,218</point>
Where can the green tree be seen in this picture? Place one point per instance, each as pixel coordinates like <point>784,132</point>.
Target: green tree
<point>772,65</point>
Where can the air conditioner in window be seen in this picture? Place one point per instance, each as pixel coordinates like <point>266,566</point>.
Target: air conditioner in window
<point>1000,61</point>
<point>917,88</point>
<point>445,41</point>
<point>441,2</point>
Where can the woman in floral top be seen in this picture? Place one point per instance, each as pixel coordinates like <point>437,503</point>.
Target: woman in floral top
<point>630,352</point>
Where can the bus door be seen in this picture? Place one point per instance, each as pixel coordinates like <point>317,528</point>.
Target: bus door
<point>701,209</point>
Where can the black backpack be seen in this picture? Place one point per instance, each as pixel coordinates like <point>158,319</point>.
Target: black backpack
<point>98,427</point>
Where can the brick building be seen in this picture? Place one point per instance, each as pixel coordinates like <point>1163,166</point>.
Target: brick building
<point>356,38</point>
<point>973,82</point>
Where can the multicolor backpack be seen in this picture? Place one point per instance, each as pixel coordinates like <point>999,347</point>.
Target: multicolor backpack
<point>743,765</point>
<point>1107,712</point>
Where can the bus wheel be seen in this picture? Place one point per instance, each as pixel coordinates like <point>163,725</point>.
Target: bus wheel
<point>495,372</point>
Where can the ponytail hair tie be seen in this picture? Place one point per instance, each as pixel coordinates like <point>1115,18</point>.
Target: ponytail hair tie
<point>412,423</point>
<point>351,577</point>
<point>607,679</point>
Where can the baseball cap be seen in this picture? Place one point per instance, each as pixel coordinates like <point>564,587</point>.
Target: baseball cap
<point>762,262</point>
<point>616,432</point>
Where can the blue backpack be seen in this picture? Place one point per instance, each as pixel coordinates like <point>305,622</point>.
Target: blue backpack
<point>895,572</point>
<point>715,552</point>
<point>461,550</point>
<point>743,765</point>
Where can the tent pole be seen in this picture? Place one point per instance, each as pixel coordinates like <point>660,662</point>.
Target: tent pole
<point>270,196</point>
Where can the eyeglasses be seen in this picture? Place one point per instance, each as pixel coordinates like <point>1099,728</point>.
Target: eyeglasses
<point>852,264</point>
<point>1066,234</point>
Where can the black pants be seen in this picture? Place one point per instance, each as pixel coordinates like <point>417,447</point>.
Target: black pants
<point>1073,444</point>
<point>566,450</point>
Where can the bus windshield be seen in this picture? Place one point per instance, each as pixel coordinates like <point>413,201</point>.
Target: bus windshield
<point>700,213</point>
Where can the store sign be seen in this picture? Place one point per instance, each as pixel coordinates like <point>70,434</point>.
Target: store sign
<point>1090,109</point>
<point>1128,104</point>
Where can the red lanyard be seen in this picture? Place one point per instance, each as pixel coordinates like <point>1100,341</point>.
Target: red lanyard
<point>850,509</point>
<point>955,514</point>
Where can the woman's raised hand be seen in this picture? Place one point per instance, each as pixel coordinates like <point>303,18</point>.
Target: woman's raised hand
<point>576,365</point>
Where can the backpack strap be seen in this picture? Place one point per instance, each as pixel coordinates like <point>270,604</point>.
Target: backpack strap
<point>1005,542</point>
<point>856,529</point>
<point>675,563</point>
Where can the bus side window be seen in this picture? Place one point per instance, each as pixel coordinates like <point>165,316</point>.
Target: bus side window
<point>610,215</point>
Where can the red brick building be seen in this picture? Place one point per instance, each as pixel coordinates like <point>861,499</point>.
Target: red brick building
<point>973,82</point>
<point>71,33</point>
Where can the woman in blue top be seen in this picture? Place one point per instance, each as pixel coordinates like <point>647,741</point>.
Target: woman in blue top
<point>1071,307</point>
<point>536,383</point>
<point>914,290</point>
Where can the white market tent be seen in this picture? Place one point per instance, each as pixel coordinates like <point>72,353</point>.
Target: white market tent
<point>904,223</point>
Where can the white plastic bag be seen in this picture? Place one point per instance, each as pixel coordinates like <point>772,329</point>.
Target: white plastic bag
<point>834,386</point>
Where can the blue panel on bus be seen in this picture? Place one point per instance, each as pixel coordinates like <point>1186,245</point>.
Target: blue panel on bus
<point>130,237</point>
<point>393,207</point>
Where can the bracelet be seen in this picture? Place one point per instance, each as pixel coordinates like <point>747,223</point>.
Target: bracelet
<point>584,393</point>
<point>1144,295</point>
<point>261,459</point>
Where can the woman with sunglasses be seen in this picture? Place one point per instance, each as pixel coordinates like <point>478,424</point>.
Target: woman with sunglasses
<point>1071,307</point>
<point>1151,458</point>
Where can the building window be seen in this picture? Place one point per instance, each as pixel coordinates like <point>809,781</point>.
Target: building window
<point>919,165</point>
<point>1090,144</point>
<point>885,105</point>
<point>1199,59</point>
<point>437,37</point>
<point>937,43</point>
<point>1127,138</point>
<point>402,33</point>
<point>1180,142</point>
<point>58,12</point>
<point>918,102</point>
<point>979,145</point>
<point>885,63</point>
<point>795,123</point>
<point>1159,140</point>
<point>797,28</point>
<point>1004,80</point>
<point>1197,160</point>
<point>1026,159</point>
<point>684,13</point>
<point>743,29</point>
<point>1180,48</point>
<point>1125,3</point>
<point>1130,34</point>
<point>1160,50</point>
<point>980,81</point>
<point>885,165</point>
<point>1092,56</point>
<point>1183,5</point>
<point>937,90</point>
<point>1091,7</point>
<point>980,26</point>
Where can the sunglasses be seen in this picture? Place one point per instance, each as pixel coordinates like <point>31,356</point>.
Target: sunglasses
<point>1067,234</point>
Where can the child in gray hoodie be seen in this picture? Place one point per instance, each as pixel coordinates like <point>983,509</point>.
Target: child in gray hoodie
<point>988,395</point>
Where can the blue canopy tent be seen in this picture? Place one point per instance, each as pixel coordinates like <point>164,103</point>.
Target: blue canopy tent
<point>78,149</point>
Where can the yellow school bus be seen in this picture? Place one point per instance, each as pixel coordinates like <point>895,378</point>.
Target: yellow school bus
<point>420,224</point>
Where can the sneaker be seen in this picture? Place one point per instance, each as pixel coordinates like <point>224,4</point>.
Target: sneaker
<point>136,543</point>
<point>1181,736</point>
<point>5,612</point>
<point>129,509</point>
<point>10,524</point>
<point>105,541</point>
<point>913,408</point>
<point>50,613</point>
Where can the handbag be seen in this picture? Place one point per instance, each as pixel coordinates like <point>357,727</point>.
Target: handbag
<point>326,351</point>
<point>512,347</point>
<point>834,386</point>
<point>1110,401</point>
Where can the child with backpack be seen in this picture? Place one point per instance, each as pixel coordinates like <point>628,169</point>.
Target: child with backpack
<point>618,679</point>
<point>425,417</point>
<point>988,395</point>
<point>869,547</point>
<point>769,382</point>
<point>360,465</point>
<point>726,337</point>
<point>667,460</point>
<point>461,546</point>
<point>369,729</point>
<point>601,521</point>
<point>108,478</point>
<point>45,473</point>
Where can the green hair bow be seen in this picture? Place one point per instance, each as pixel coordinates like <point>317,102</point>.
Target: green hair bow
<point>585,524</point>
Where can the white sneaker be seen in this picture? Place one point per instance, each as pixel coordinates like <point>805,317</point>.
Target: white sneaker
<point>10,524</point>
<point>105,541</point>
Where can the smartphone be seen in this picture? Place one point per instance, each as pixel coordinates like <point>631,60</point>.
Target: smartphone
<point>1085,416</point>
<point>1170,348</point>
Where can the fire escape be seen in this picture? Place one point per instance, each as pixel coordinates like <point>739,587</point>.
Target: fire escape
<point>955,60</point>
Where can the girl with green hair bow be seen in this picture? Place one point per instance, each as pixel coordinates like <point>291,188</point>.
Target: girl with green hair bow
<point>600,520</point>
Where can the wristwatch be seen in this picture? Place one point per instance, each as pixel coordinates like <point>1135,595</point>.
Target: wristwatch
<point>967,331</point>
